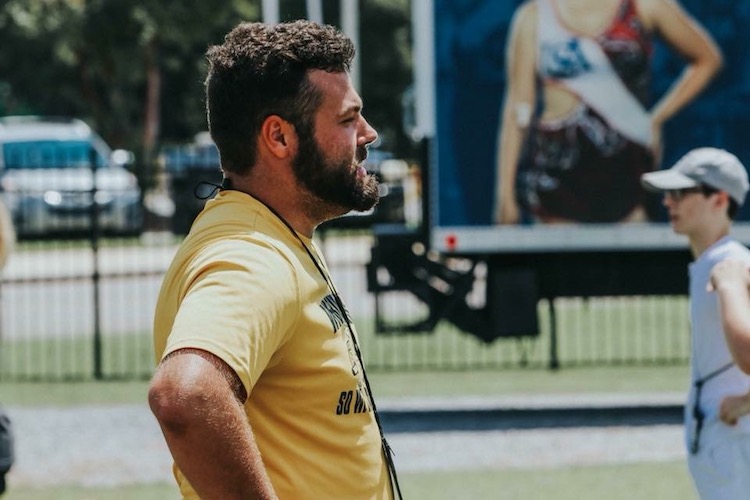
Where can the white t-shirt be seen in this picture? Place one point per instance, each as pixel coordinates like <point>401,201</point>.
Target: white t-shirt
<point>709,350</point>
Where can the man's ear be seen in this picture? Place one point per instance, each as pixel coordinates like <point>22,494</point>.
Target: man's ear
<point>722,200</point>
<point>279,136</point>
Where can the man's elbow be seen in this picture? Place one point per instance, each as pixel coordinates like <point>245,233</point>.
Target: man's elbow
<point>740,349</point>
<point>169,405</point>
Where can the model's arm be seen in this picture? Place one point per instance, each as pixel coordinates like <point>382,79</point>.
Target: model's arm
<point>730,279</point>
<point>518,109</point>
<point>197,398</point>
<point>683,33</point>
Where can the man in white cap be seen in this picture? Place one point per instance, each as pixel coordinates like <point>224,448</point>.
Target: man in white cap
<point>702,193</point>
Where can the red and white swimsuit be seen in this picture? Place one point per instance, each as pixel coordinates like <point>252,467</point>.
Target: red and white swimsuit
<point>586,167</point>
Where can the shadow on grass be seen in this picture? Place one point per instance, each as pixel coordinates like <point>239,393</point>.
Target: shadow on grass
<point>545,418</point>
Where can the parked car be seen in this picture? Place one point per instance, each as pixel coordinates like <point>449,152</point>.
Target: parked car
<point>48,182</point>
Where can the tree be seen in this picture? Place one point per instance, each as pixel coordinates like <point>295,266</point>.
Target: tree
<point>135,69</point>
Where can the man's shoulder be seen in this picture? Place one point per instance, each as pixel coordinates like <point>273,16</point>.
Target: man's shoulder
<point>735,250</point>
<point>251,248</point>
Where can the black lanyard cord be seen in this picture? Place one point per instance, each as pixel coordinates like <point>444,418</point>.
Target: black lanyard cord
<point>699,383</point>
<point>697,412</point>
<point>387,450</point>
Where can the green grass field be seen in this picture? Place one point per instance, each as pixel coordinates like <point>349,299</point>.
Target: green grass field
<point>604,346</point>
<point>447,383</point>
<point>663,481</point>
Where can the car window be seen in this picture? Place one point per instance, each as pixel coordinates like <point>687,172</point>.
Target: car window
<point>49,154</point>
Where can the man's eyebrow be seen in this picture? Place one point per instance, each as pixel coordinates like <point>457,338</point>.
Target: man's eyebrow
<point>354,108</point>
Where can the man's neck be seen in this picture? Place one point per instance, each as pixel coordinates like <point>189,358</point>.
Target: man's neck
<point>281,202</point>
<point>699,243</point>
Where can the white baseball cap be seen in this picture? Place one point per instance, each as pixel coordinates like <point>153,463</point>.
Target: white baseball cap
<point>712,167</point>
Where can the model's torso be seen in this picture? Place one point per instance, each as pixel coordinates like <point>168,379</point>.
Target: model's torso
<point>613,24</point>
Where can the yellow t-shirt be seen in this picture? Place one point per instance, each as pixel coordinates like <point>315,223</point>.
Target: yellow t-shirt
<point>243,288</point>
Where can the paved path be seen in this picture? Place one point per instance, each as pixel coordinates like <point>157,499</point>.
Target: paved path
<point>122,444</point>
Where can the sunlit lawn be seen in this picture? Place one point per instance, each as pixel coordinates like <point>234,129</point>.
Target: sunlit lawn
<point>643,481</point>
<point>616,379</point>
<point>665,481</point>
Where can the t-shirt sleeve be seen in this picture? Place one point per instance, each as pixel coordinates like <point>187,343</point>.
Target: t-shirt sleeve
<point>240,304</point>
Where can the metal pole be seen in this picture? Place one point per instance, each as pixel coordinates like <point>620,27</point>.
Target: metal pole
<point>423,39</point>
<point>270,11</point>
<point>95,277</point>
<point>315,10</point>
<point>554,361</point>
<point>350,26</point>
<point>423,57</point>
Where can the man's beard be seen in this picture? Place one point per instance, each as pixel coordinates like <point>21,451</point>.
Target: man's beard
<point>334,181</point>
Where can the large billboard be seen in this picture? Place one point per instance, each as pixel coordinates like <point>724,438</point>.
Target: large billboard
<point>546,115</point>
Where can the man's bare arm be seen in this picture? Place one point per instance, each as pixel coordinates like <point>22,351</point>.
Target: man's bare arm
<point>730,279</point>
<point>197,398</point>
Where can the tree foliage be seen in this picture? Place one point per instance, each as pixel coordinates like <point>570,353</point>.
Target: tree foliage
<point>135,69</point>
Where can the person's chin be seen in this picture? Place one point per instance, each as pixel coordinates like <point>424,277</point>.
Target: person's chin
<point>364,205</point>
<point>677,228</point>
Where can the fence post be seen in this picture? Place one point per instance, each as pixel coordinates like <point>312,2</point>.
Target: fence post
<point>554,360</point>
<point>95,276</point>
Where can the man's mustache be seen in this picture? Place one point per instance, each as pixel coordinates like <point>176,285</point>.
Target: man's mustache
<point>361,154</point>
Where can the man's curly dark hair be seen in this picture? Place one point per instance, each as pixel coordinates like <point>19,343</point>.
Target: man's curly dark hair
<point>261,70</point>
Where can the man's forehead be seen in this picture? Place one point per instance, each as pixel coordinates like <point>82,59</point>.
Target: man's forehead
<point>336,88</point>
<point>323,77</point>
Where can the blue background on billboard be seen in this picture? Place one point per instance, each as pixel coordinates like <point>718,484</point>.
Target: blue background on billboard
<point>470,81</point>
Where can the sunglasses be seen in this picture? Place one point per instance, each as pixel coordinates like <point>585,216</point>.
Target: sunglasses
<point>679,194</point>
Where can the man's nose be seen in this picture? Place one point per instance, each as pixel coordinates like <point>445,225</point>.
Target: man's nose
<point>368,133</point>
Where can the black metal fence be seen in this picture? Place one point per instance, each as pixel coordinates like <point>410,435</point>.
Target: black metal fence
<point>78,293</point>
<point>71,310</point>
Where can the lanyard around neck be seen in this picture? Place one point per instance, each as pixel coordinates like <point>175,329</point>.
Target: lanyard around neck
<point>387,450</point>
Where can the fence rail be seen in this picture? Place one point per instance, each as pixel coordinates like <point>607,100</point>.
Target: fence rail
<point>82,308</point>
<point>56,296</point>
